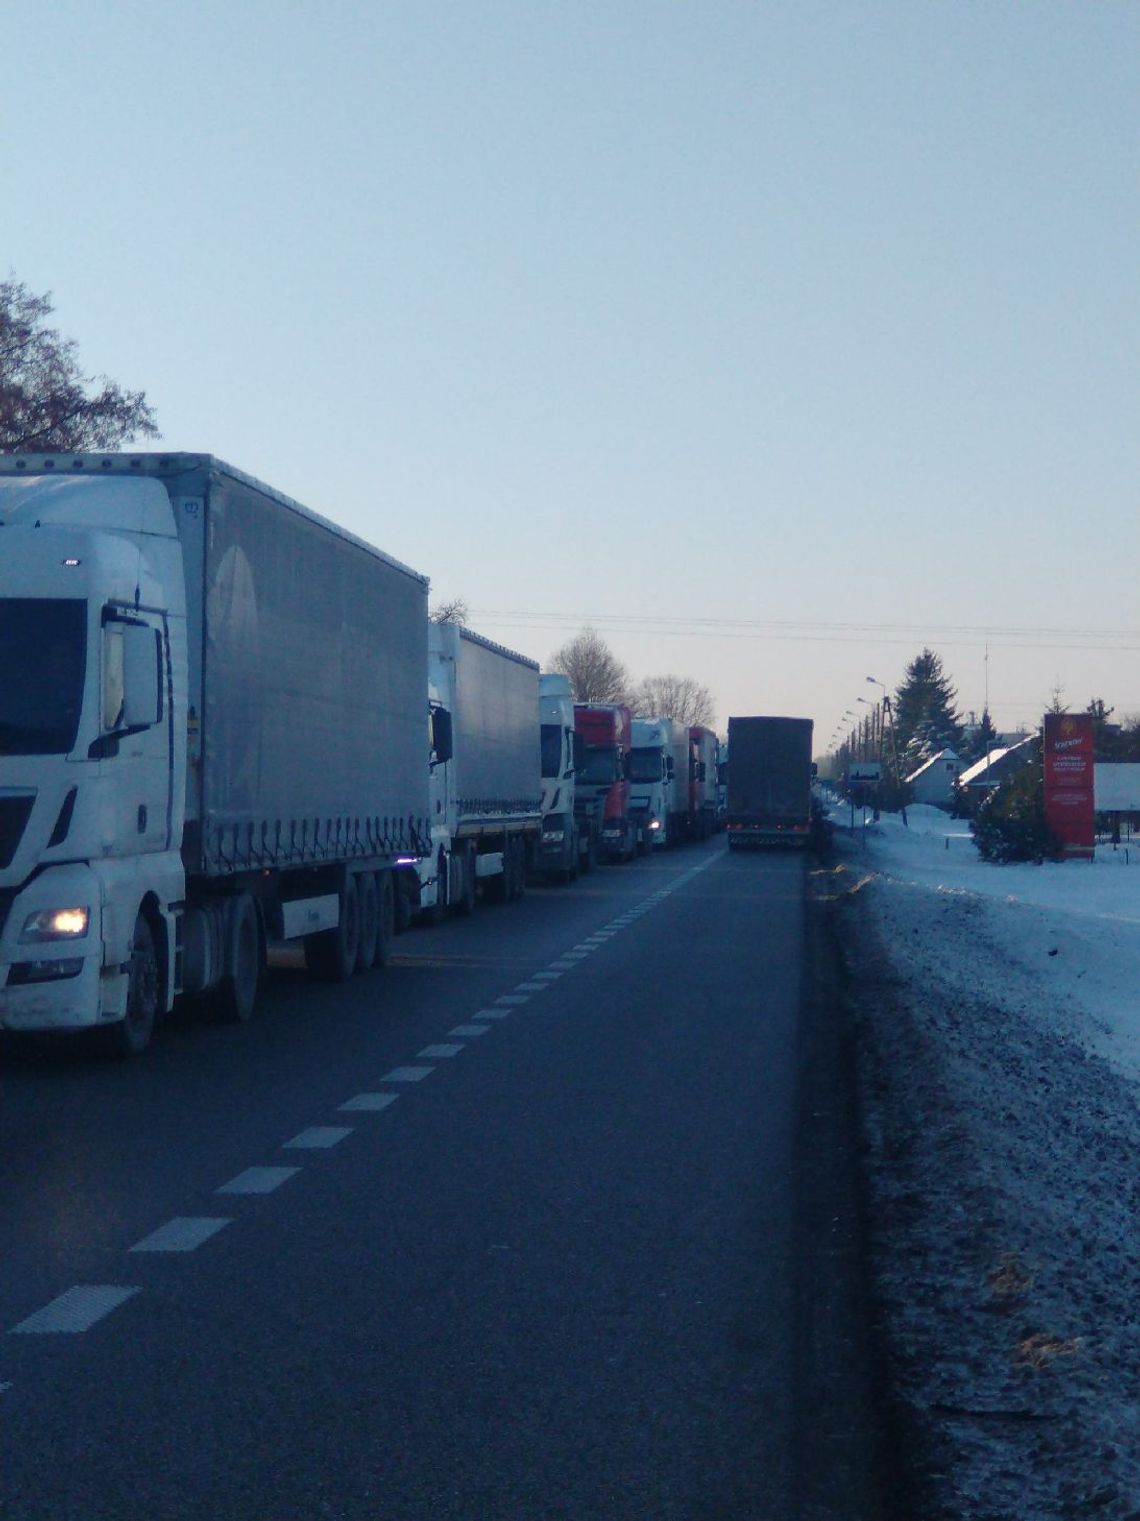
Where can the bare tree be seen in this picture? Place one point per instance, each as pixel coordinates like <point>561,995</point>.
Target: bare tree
<point>454,611</point>
<point>595,672</point>
<point>678,697</point>
<point>44,402</point>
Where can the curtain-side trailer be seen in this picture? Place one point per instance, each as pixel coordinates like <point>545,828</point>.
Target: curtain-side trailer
<point>211,736</point>
<point>486,774</point>
<point>769,781</point>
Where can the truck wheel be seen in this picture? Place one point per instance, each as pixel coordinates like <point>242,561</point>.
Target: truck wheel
<point>437,913</point>
<point>466,904</point>
<point>369,921</point>
<point>385,918</point>
<point>132,1034</point>
<point>236,994</point>
<point>518,875</point>
<point>331,954</point>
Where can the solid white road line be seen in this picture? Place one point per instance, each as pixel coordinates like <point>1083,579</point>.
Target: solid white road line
<point>76,1310</point>
<point>182,1234</point>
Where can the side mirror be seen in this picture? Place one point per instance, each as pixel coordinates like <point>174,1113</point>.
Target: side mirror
<point>441,738</point>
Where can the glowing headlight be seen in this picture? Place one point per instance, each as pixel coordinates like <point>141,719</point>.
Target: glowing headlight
<point>55,924</point>
<point>655,824</point>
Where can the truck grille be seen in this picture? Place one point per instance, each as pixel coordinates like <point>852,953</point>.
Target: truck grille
<point>14,812</point>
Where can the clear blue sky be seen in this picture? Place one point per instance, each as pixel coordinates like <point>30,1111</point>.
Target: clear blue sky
<point>775,340</point>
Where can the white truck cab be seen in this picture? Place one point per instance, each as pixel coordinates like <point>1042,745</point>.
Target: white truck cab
<point>92,783</point>
<point>652,778</point>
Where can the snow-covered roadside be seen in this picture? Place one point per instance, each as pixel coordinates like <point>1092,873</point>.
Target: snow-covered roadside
<point>999,1025</point>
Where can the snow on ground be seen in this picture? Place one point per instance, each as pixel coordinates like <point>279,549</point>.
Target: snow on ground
<point>998,1018</point>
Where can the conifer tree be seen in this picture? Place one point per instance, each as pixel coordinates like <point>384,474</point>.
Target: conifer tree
<point>926,720</point>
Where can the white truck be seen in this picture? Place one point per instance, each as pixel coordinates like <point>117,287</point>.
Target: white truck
<point>211,736</point>
<point>569,840</point>
<point>485,771</point>
<point>652,778</point>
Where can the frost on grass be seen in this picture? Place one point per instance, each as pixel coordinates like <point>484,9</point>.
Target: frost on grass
<point>1003,1152</point>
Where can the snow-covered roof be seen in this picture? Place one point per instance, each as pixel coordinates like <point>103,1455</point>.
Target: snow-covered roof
<point>943,755</point>
<point>979,768</point>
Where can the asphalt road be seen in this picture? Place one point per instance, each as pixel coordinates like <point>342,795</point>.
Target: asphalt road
<point>518,1227</point>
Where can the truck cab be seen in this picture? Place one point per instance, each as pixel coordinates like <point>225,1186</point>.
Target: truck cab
<point>603,777</point>
<point>92,782</point>
<point>568,843</point>
<point>652,777</point>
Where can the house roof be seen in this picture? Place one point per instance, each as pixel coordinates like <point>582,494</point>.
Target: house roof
<point>977,771</point>
<point>943,755</point>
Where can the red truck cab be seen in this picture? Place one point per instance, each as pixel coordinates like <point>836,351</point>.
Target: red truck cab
<point>602,783</point>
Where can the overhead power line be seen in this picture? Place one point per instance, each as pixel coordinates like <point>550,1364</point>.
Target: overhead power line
<point>814,631</point>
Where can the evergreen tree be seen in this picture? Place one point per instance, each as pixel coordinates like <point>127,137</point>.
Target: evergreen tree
<point>982,741</point>
<point>1107,736</point>
<point>926,720</point>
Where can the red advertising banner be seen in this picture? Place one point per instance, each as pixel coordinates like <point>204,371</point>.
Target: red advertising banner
<point>1069,782</point>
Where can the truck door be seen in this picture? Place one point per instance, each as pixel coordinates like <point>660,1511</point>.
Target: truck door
<point>136,738</point>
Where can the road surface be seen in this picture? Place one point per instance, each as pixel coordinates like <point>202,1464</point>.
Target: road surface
<point>534,1223</point>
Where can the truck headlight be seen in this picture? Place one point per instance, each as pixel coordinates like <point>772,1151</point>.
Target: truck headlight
<point>55,924</point>
<point>553,836</point>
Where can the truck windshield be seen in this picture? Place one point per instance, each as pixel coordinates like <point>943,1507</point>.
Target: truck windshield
<point>552,749</point>
<point>43,651</point>
<point>645,766</point>
<point>600,765</point>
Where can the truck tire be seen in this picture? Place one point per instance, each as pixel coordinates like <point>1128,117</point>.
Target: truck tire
<point>131,1035</point>
<point>437,913</point>
<point>516,882</point>
<point>590,859</point>
<point>236,994</point>
<point>465,906</point>
<point>331,954</point>
<point>369,921</point>
<point>385,918</point>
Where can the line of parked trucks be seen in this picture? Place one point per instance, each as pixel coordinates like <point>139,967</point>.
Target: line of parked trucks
<point>213,737</point>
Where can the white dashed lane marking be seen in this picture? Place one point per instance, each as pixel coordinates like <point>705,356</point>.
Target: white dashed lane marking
<point>318,1138</point>
<point>258,1180</point>
<point>182,1234</point>
<point>76,1310</point>
<point>366,1102</point>
<point>85,1305</point>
